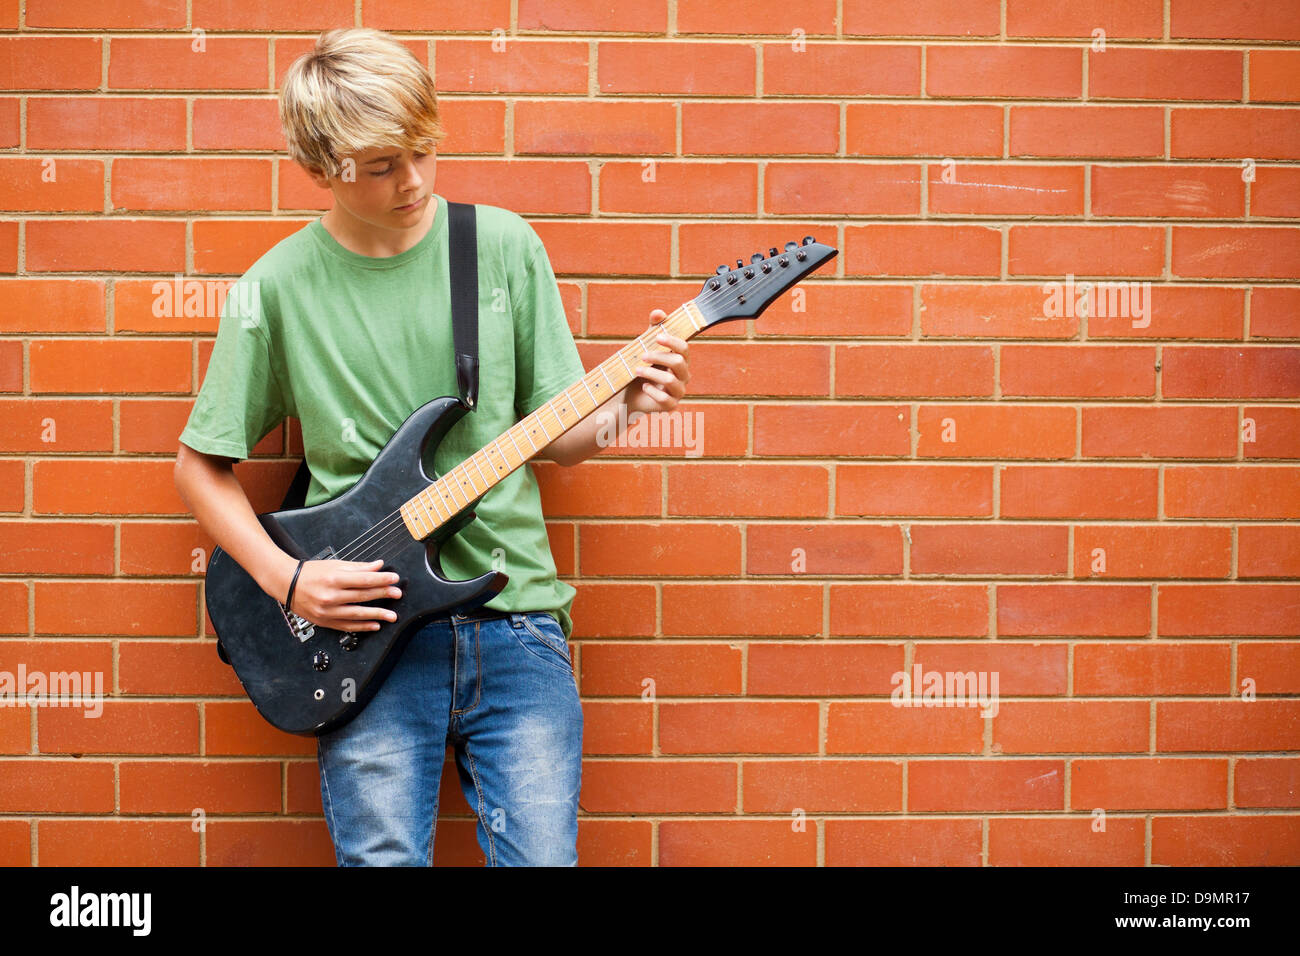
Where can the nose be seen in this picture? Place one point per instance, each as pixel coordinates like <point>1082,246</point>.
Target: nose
<point>411,180</point>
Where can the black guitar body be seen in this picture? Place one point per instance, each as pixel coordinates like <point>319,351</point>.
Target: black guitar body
<point>307,679</point>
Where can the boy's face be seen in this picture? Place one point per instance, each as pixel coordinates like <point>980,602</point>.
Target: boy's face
<point>385,186</point>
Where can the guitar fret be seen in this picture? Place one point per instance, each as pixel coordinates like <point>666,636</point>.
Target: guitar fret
<point>529,437</point>
<point>554,412</point>
<point>476,467</point>
<point>588,388</point>
<point>452,489</point>
<point>419,500</point>
<point>519,450</point>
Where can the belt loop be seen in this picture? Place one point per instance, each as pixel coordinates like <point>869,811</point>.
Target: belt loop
<point>516,619</point>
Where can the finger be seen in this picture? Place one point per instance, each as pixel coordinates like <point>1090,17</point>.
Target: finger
<point>358,595</point>
<point>675,343</point>
<point>360,612</point>
<point>353,626</point>
<point>349,578</point>
<point>663,358</point>
<point>657,374</point>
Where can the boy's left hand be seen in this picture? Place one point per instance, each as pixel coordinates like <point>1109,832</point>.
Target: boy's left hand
<point>658,389</point>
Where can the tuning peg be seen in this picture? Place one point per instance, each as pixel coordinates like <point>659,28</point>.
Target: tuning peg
<point>791,246</point>
<point>740,263</point>
<point>808,240</point>
<point>756,257</point>
<point>722,269</point>
<point>771,253</point>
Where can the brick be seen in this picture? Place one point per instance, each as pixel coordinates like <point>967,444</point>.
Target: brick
<point>1004,71</point>
<point>1152,192</point>
<point>909,609</point>
<point>951,549</point>
<point>830,430</point>
<point>1274,76</point>
<point>921,18</point>
<point>688,68</point>
<point>735,843</point>
<point>923,129</point>
<point>520,66</point>
<point>842,187</point>
<point>916,842</point>
<point>760,129</point>
<point>813,786</point>
<point>1137,74</point>
<point>1130,551</point>
<point>1093,610</point>
<point>1058,371</point>
<point>1157,783</point>
<point>985,785</point>
<point>592,16</point>
<point>841,69</point>
<point>1148,669</point>
<point>885,727</point>
<point>1237,492</point>
<point>735,727</point>
<point>1234,132</point>
<point>1103,132</point>
<point>1080,492</point>
<point>677,669</point>
<point>821,668</point>
<point>917,490</point>
<point>1247,20</point>
<point>1086,250</point>
<point>172,63</point>
<point>50,63</point>
<point>986,190</point>
<point>625,126</point>
<point>922,249</point>
<point>1139,19</point>
<point>995,431</point>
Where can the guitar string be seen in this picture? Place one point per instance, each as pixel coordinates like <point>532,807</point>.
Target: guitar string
<point>391,527</point>
<point>391,524</point>
<point>384,531</point>
<point>381,534</point>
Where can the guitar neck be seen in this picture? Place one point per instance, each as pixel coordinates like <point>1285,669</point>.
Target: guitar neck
<point>494,462</point>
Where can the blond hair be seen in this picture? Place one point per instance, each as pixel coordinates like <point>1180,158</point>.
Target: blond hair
<point>358,89</point>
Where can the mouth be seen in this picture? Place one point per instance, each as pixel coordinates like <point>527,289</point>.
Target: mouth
<point>410,206</point>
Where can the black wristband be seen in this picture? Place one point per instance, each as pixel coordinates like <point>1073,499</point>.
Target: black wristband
<point>288,601</point>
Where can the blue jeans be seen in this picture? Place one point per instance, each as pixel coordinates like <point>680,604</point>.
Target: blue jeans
<point>500,689</point>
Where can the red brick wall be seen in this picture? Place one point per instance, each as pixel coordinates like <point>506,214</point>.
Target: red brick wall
<point>915,464</point>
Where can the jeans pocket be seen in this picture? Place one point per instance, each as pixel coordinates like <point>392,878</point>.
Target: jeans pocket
<point>543,635</point>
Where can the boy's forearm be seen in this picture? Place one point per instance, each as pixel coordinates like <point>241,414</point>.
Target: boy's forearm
<point>581,441</point>
<point>217,500</point>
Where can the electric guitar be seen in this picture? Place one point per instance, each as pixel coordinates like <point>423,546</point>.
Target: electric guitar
<point>308,679</point>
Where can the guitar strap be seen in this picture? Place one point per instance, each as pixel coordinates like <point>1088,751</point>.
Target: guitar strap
<point>462,267</point>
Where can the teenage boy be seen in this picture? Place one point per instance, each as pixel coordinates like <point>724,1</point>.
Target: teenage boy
<point>346,325</point>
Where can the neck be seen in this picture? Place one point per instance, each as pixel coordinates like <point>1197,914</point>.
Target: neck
<point>366,239</point>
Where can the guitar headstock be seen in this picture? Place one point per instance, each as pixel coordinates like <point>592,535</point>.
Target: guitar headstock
<point>745,291</point>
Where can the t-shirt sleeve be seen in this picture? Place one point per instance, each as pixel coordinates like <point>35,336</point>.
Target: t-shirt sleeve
<point>546,357</point>
<point>240,399</point>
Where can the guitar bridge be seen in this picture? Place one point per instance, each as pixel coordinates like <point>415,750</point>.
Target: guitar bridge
<point>302,628</point>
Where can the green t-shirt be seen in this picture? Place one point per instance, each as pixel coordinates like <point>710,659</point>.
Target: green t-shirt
<point>351,345</point>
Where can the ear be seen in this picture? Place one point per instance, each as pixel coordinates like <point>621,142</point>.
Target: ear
<point>317,176</point>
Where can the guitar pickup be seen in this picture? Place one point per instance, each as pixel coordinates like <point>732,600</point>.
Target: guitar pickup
<point>300,627</point>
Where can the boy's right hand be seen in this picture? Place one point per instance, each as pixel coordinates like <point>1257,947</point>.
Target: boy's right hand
<point>329,594</point>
